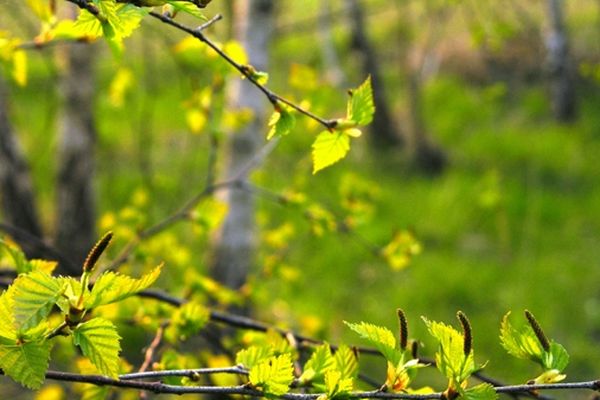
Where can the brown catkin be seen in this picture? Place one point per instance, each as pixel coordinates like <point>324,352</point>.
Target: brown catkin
<point>403,329</point>
<point>467,334</point>
<point>96,252</point>
<point>537,329</point>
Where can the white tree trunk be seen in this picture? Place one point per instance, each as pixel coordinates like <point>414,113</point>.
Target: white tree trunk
<point>235,244</point>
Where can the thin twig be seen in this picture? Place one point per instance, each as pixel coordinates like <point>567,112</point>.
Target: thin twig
<point>243,69</point>
<point>159,387</point>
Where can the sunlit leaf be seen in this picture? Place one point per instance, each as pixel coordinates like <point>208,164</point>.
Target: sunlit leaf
<point>382,338</point>
<point>26,363</point>
<point>34,295</point>
<point>187,7</point>
<point>274,375</point>
<point>320,361</point>
<point>329,148</point>
<point>346,362</point>
<point>111,287</point>
<point>360,105</point>
<point>282,121</point>
<point>99,341</point>
<point>253,356</point>
<point>483,391</point>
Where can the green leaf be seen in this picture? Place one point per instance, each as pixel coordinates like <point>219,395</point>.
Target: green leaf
<point>346,362</point>
<point>274,375</point>
<point>8,332</point>
<point>320,361</point>
<point>282,122</point>
<point>86,25</point>
<point>34,295</point>
<point>382,338</point>
<point>450,358</point>
<point>188,8</point>
<point>111,287</point>
<point>253,356</point>
<point>484,391</point>
<point>520,343</point>
<point>557,358</point>
<point>187,321</point>
<point>329,148</point>
<point>360,105</point>
<point>337,386</point>
<point>19,259</point>
<point>26,363</point>
<point>99,341</point>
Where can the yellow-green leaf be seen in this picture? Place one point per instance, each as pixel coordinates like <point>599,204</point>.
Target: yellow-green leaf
<point>111,287</point>
<point>99,341</point>
<point>382,338</point>
<point>26,363</point>
<point>360,105</point>
<point>274,375</point>
<point>282,122</point>
<point>33,296</point>
<point>329,148</point>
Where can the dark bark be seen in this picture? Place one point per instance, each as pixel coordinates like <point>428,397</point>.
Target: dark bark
<point>384,131</point>
<point>16,191</point>
<point>560,66</point>
<point>75,230</point>
<point>427,156</point>
<point>235,244</point>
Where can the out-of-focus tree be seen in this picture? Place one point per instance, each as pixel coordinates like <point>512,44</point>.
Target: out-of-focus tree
<point>385,131</point>
<point>235,243</point>
<point>559,63</point>
<point>75,198</point>
<point>16,190</point>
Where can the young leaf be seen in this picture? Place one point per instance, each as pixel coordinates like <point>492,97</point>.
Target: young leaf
<point>346,362</point>
<point>360,105</point>
<point>484,391</point>
<point>187,7</point>
<point>282,122</point>
<point>450,358</point>
<point>520,343</point>
<point>320,361</point>
<point>382,338</point>
<point>187,321</point>
<point>27,362</point>
<point>8,332</point>
<point>274,375</point>
<point>99,341</point>
<point>526,344</point>
<point>253,355</point>
<point>19,259</point>
<point>336,386</point>
<point>33,296</point>
<point>329,148</point>
<point>111,287</point>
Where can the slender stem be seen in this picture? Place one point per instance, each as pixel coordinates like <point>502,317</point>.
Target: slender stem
<point>243,69</point>
<point>159,387</point>
<point>57,331</point>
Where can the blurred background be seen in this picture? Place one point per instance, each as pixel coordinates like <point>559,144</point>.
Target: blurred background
<point>477,187</point>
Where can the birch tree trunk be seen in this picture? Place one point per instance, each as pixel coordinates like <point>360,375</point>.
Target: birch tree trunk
<point>384,131</point>
<point>235,243</point>
<point>560,67</point>
<point>75,207</point>
<point>16,191</point>
<point>331,62</point>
